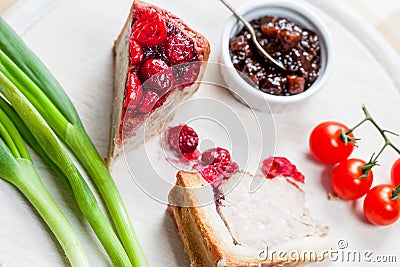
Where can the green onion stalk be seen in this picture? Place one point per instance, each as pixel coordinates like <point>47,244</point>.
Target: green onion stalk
<point>17,168</point>
<point>56,152</point>
<point>28,73</point>
<point>30,139</point>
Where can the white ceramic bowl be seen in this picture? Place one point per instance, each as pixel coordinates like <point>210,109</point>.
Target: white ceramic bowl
<point>302,15</point>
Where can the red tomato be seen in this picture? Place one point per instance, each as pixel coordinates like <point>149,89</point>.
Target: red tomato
<point>379,208</point>
<point>346,181</point>
<point>326,144</point>
<point>395,174</point>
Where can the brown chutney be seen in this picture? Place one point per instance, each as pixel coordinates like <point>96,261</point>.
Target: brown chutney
<point>298,49</point>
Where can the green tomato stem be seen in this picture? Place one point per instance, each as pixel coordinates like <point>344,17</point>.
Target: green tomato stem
<point>396,193</point>
<point>374,158</point>
<point>357,125</point>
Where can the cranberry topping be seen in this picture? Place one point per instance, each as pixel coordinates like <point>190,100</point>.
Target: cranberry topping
<point>140,11</point>
<point>188,139</point>
<point>215,173</point>
<point>194,156</point>
<point>150,65</point>
<point>149,100</point>
<point>182,139</point>
<point>218,197</point>
<point>162,100</point>
<point>160,75</point>
<point>227,169</point>
<point>154,52</point>
<point>216,160</point>
<point>275,166</point>
<point>186,74</point>
<point>215,155</point>
<point>173,139</point>
<point>179,49</point>
<point>135,51</point>
<point>149,29</point>
<point>149,59</point>
<point>134,92</point>
<point>210,173</point>
<point>215,164</point>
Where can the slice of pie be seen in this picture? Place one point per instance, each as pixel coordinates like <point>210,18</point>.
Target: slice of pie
<point>158,63</point>
<point>227,225</point>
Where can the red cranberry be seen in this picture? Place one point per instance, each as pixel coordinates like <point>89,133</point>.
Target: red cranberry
<point>160,75</point>
<point>149,100</point>
<point>210,173</point>
<point>188,139</point>
<point>186,74</point>
<point>151,67</point>
<point>173,139</point>
<point>149,29</point>
<point>275,166</point>
<point>179,49</point>
<point>227,169</point>
<point>139,12</point>
<point>191,75</point>
<point>182,139</point>
<point>215,155</point>
<point>162,100</point>
<point>194,156</point>
<point>135,51</point>
<point>134,91</point>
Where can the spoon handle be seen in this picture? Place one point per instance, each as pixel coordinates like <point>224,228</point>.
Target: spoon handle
<point>240,17</point>
<point>253,35</point>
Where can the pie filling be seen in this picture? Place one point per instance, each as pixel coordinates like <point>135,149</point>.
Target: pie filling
<point>163,58</point>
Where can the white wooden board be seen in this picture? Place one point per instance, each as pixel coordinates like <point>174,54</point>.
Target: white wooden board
<point>75,38</point>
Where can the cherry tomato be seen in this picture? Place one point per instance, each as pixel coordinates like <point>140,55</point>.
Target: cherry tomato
<point>379,208</point>
<point>326,144</point>
<point>346,181</point>
<point>395,174</point>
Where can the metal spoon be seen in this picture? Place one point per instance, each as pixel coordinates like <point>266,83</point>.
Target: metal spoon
<point>253,35</point>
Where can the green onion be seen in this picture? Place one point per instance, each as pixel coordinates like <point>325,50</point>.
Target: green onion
<point>16,167</point>
<point>30,139</point>
<point>34,80</point>
<point>56,152</point>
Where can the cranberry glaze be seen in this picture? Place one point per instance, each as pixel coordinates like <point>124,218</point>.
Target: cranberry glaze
<point>298,49</point>
<point>158,51</point>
